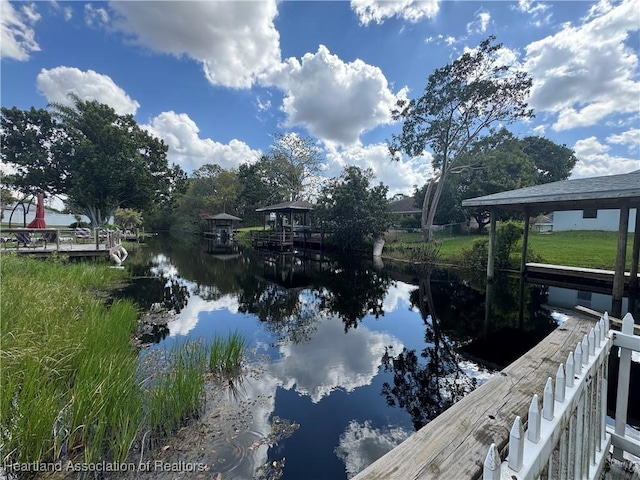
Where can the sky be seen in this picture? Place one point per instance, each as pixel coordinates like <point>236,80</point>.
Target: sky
<point>216,80</point>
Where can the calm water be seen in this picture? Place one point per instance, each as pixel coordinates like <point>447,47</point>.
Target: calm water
<point>359,355</point>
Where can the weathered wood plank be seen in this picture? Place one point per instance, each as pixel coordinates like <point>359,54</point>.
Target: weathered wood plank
<point>454,445</point>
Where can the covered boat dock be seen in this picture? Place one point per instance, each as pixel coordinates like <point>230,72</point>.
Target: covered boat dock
<point>611,192</point>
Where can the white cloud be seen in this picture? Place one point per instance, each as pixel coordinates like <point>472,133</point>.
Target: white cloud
<point>188,150</point>
<point>399,176</point>
<point>379,10</point>
<point>398,296</point>
<point>95,16</point>
<point>480,24</point>
<point>594,160</point>
<point>56,84</point>
<point>234,41</point>
<point>339,360</point>
<point>586,73</point>
<point>532,7</point>
<point>334,100</point>
<point>360,445</point>
<point>631,138</point>
<point>18,38</point>
<point>189,317</point>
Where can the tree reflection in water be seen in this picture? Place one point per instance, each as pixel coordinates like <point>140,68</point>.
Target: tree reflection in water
<point>152,293</point>
<point>426,389</point>
<point>351,290</point>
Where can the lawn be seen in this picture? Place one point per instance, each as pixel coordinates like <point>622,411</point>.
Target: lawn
<point>590,249</point>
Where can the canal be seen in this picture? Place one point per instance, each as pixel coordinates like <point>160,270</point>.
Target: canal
<point>347,357</point>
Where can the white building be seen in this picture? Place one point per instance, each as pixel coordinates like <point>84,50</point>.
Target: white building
<point>592,219</point>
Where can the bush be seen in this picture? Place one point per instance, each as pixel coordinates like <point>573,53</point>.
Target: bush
<point>508,235</point>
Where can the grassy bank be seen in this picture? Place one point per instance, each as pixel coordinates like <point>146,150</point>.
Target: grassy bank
<point>590,249</point>
<point>70,377</point>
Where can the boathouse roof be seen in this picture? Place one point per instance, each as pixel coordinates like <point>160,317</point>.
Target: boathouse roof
<point>606,192</point>
<point>224,216</point>
<point>298,206</point>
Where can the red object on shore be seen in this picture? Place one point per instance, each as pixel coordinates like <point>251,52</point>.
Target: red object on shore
<point>39,222</point>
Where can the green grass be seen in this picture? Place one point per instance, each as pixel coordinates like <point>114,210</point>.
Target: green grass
<point>68,367</point>
<point>226,355</point>
<point>590,249</point>
<point>177,396</point>
<point>69,374</point>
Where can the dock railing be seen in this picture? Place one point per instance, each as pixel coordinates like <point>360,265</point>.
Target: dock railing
<point>567,437</point>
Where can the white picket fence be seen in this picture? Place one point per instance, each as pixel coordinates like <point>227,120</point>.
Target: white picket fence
<point>567,437</point>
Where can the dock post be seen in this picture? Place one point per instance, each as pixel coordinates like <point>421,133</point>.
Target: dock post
<point>618,278</point>
<point>492,246</point>
<point>523,265</point>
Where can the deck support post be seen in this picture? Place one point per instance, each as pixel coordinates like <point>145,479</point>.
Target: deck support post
<point>523,264</point>
<point>634,283</point>
<point>618,278</point>
<point>492,246</point>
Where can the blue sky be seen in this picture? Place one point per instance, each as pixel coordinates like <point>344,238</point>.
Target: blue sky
<point>216,80</point>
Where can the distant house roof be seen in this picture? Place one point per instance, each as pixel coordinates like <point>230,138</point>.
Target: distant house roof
<point>298,205</point>
<point>607,192</point>
<point>404,206</point>
<point>223,216</point>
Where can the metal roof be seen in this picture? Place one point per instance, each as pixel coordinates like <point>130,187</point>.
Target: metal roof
<point>606,192</point>
<point>223,216</point>
<point>298,205</point>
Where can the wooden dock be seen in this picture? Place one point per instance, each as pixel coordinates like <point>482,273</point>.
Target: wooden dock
<point>61,242</point>
<point>573,275</point>
<point>454,444</point>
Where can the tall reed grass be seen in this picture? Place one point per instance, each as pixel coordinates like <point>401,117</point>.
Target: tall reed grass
<point>226,355</point>
<point>69,373</point>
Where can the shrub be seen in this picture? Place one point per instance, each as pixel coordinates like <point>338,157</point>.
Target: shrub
<point>508,235</point>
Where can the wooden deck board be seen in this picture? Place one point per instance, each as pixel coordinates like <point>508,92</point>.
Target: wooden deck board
<point>573,272</point>
<point>454,444</point>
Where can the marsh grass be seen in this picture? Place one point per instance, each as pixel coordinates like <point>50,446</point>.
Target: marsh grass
<point>226,355</point>
<point>177,395</point>
<point>69,372</point>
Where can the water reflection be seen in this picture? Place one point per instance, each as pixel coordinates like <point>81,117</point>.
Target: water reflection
<point>358,354</point>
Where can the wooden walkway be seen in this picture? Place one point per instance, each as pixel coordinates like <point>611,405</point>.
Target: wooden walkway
<point>454,444</point>
<point>574,275</point>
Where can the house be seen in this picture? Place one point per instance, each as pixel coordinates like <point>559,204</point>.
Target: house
<point>591,219</point>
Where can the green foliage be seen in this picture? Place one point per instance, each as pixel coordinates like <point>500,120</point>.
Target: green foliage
<point>508,235</point>
<point>210,190</point>
<point>294,165</point>
<point>70,378</point>
<point>352,209</point>
<point>226,355</point>
<point>177,395</point>
<point>127,218</point>
<point>461,101</point>
<point>99,159</point>
<point>554,162</point>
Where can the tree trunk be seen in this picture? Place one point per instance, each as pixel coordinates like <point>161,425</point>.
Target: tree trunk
<point>432,210</point>
<point>426,228</point>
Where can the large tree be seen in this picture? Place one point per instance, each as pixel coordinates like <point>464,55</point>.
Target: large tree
<point>353,209</point>
<point>554,162</point>
<point>496,163</point>
<point>100,160</point>
<point>114,163</point>
<point>462,100</point>
<point>257,188</point>
<point>34,146</point>
<point>295,164</point>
